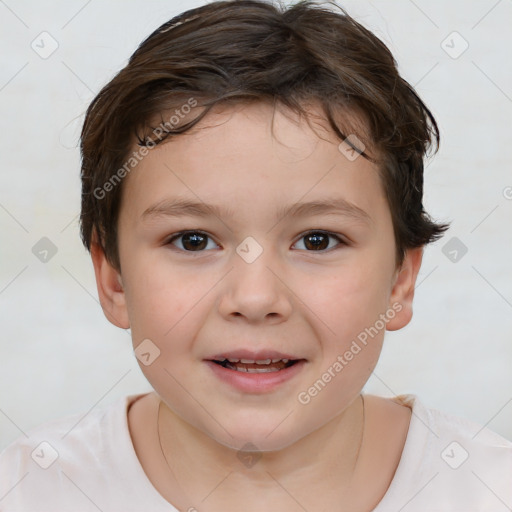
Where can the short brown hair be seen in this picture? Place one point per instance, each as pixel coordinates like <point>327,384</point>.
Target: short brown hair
<point>251,50</point>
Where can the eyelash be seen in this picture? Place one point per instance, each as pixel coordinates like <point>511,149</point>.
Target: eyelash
<point>303,235</point>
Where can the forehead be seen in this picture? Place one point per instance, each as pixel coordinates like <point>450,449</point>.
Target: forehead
<point>241,155</point>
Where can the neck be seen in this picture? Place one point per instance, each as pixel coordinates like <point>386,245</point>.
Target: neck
<point>323,460</point>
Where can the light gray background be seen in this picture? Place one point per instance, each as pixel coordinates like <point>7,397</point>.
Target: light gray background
<point>59,355</point>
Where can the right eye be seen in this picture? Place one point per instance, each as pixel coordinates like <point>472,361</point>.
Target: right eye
<point>191,241</point>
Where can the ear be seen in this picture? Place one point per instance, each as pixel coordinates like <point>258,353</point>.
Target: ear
<point>402,293</point>
<point>110,288</point>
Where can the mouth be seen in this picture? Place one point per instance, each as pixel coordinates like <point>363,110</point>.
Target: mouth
<point>256,366</point>
<point>256,371</point>
<point>256,376</point>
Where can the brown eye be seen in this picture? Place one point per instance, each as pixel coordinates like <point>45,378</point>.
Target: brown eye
<point>319,240</point>
<point>191,241</point>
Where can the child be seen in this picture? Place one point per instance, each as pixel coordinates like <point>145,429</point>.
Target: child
<point>252,201</point>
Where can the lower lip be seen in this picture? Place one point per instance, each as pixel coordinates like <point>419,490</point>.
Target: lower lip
<point>255,382</point>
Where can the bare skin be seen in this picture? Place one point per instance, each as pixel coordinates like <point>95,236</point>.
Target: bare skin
<point>386,427</point>
<point>309,303</point>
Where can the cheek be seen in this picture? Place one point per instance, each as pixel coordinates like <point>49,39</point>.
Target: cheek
<point>158,302</point>
<point>168,307</point>
<point>350,302</point>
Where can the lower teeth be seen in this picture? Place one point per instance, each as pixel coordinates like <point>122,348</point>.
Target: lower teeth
<point>256,370</point>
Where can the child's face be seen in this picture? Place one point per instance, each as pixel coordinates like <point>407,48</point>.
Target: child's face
<point>292,298</point>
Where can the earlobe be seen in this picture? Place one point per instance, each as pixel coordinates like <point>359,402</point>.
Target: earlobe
<point>110,288</point>
<point>402,294</point>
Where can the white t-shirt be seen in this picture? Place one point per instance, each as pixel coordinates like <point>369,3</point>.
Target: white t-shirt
<point>88,463</point>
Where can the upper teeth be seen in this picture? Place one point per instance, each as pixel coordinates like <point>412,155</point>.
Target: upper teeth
<point>258,361</point>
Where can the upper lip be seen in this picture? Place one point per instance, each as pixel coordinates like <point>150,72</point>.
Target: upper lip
<point>252,355</point>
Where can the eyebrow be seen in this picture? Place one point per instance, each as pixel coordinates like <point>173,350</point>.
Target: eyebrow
<point>179,207</point>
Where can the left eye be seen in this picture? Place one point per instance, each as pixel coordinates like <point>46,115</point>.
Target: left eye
<point>196,241</point>
<point>319,240</point>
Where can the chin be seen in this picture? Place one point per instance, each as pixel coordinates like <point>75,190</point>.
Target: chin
<point>256,438</point>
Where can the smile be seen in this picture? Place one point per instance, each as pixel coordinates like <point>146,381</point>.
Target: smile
<point>248,366</point>
<point>255,377</point>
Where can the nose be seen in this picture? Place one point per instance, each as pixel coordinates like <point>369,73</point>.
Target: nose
<point>256,292</point>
